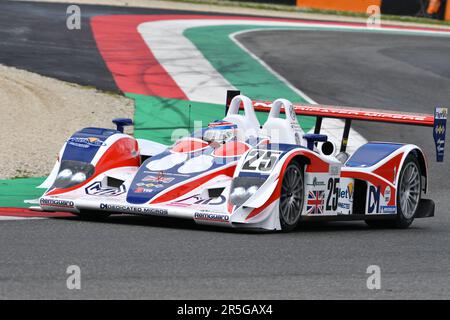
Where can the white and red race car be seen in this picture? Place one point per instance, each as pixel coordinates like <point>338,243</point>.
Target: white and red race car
<point>237,173</point>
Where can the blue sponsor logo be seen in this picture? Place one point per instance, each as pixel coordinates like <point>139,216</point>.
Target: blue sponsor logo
<point>98,189</point>
<point>374,199</point>
<point>345,206</point>
<point>85,142</point>
<point>388,209</point>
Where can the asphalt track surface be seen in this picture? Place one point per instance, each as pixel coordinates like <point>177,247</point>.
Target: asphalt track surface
<point>136,257</point>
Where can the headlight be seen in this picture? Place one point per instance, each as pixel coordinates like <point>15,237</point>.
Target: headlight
<point>243,188</point>
<point>252,190</point>
<point>72,173</point>
<point>78,177</point>
<point>65,174</point>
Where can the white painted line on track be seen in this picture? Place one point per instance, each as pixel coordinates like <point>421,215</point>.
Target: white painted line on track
<point>10,218</point>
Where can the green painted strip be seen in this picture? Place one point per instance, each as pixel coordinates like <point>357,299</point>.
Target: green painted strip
<point>239,68</point>
<point>14,192</point>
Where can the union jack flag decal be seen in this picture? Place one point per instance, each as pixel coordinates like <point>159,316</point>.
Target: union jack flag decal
<point>315,202</point>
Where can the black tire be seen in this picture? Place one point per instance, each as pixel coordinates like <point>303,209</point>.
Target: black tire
<point>90,215</point>
<point>381,224</point>
<point>404,218</point>
<point>291,197</point>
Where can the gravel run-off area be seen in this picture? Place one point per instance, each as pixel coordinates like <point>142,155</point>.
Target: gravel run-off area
<point>38,114</point>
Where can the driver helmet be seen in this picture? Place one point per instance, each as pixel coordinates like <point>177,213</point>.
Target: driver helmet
<point>220,131</point>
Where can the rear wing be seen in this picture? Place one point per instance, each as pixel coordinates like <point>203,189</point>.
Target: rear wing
<point>438,121</point>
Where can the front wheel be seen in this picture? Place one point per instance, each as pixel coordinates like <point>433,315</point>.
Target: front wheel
<point>291,197</point>
<point>409,192</point>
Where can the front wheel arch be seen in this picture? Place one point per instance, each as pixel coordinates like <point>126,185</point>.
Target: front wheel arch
<point>422,166</point>
<point>301,160</point>
<point>401,220</point>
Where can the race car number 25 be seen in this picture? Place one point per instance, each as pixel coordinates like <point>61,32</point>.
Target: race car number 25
<point>260,160</point>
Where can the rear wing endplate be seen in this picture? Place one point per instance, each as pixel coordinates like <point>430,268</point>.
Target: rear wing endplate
<point>439,128</point>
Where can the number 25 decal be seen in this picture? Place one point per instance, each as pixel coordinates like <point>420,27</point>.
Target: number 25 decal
<point>260,160</point>
<point>333,194</point>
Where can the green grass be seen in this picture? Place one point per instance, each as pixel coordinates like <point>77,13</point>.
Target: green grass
<point>288,8</point>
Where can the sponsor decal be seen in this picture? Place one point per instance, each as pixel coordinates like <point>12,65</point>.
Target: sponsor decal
<point>440,129</point>
<point>298,140</point>
<point>292,115</point>
<point>214,217</point>
<point>374,199</point>
<point>133,209</point>
<point>388,209</point>
<point>350,190</point>
<point>441,113</point>
<point>387,194</point>
<point>97,189</point>
<point>56,203</point>
<point>315,202</point>
<point>345,206</point>
<point>440,145</point>
<point>316,183</point>
<point>143,190</point>
<point>345,201</point>
<point>160,178</point>
<point>335,170</point>
<point>221,123</point>
<point>198,200</point>
<point>347,193</point>
<point>172,174</point>
<point>85,142</point>
<point>151,181</point>
<point>359,113</point>
<point>149,185</point>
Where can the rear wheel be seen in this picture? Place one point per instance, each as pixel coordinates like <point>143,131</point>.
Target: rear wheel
<point>91,215</point>
<point>409,192</point>
<point>292,197</point>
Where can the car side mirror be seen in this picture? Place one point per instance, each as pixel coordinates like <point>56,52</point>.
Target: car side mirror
<point>122,122</point>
